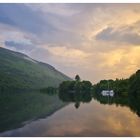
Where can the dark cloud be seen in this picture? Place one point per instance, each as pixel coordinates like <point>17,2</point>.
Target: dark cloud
<point>47,27</point>
<point>124,36</point>
<point>24,18</point>
<point>19,45</point>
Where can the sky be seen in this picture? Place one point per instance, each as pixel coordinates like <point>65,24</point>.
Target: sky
<point>96,41</point>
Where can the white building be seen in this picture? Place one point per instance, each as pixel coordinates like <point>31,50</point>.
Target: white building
<point>108,93</point>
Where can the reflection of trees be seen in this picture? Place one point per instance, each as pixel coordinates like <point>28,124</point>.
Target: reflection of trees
<point>132,102</point>
<point>128,92</point>
<point>75,97</point>
<point>75,91</point>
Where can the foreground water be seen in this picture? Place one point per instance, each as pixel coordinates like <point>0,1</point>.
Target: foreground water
<point>90,119</point>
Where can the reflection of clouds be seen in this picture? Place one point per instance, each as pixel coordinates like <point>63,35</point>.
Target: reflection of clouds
<point>91,119</point>
<point>102,121</point>
<point>121,121</point>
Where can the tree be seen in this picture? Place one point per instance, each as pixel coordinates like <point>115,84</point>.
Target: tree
<point>77,78</point>
<point>134,84</point>
<point>86,86</point>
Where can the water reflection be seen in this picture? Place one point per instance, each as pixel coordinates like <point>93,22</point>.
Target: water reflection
<point>132,102</point>
<point>92,119</point>
<point>20,107</point>
<point>100,116</point>
<point>75,97</point>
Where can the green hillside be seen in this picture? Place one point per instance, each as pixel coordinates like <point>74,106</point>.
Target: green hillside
<point>20,71</point>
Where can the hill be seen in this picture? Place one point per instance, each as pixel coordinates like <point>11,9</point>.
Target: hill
<point>17,70</point>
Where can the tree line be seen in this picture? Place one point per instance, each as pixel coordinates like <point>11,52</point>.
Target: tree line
<point>127,91</point>
<point>121,87</point>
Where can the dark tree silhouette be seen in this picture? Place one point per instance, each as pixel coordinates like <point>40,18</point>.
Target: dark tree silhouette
<point>77,78</point>
<point>75,91</point>
<point>134,84</point>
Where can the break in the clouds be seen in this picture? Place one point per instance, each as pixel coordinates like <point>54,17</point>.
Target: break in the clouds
<point>97,41</point>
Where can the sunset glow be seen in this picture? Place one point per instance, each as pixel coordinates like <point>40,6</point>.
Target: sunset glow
<point>96,41</point>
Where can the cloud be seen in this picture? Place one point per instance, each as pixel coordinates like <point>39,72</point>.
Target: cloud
<point>92,40</point>
<point>20,45</point>
<point>56,9</point>
<point>41,54</point>
<point>42,22</point>
<point>122,36</point>
<point>120,62</point>
<point>24,18</point>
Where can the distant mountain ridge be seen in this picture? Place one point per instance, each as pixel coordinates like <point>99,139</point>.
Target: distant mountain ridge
<point>18,70</point>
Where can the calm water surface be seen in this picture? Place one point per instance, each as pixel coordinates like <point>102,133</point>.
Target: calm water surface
<point>90,119</point>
